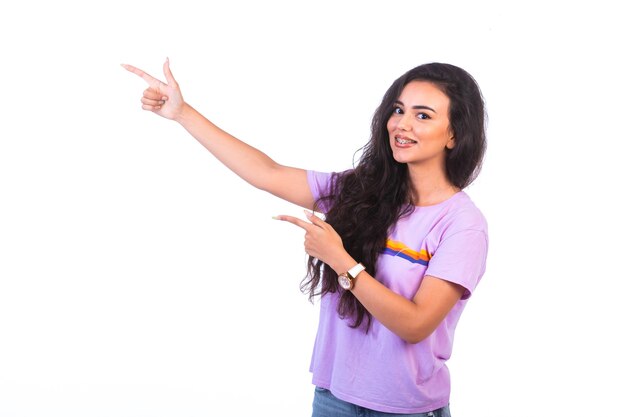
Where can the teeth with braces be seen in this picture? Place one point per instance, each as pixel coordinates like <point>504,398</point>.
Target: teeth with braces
<point>404,141</point>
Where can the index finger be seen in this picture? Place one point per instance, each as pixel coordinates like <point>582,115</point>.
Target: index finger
<point>294,220</point>
<point>153,82</point>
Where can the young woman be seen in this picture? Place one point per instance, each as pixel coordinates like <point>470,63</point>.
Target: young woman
<point>402,246</point>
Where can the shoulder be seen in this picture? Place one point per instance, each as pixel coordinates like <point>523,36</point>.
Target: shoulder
<point>462,214</point>
<point>465,210</point>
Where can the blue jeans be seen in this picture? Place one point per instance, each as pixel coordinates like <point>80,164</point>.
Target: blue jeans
<point>325,404</point>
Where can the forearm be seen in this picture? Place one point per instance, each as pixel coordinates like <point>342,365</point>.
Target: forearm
<point>249,163</point>
<point>395,312</point>
<point>413,320</point>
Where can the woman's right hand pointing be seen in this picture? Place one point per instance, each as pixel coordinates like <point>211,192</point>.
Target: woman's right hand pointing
<point>166,100</point>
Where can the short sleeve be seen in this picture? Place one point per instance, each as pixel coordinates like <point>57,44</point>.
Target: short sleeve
<point>461,258</point>
<point>320,184</point>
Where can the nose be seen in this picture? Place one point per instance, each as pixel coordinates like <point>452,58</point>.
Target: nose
<point>404,123</point>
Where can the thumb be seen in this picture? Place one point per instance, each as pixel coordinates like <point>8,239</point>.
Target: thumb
<point>314,219</point>
<point>168,73</point>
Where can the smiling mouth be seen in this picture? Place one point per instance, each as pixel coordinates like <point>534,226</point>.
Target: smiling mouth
<point>404,141</point>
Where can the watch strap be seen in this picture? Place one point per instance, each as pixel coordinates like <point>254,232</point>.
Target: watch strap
<point>355,270</point>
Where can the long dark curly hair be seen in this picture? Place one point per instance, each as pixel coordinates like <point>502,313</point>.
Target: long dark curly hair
<point>367,200</point>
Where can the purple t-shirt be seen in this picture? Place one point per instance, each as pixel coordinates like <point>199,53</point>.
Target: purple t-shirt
<point>379,370</point>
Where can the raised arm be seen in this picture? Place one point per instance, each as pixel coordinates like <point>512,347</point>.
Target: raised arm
<point>252,165</point>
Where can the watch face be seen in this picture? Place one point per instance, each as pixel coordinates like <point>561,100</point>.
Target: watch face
<point>345,282</point>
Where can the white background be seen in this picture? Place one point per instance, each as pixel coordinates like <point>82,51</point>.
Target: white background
<point>138,277</point>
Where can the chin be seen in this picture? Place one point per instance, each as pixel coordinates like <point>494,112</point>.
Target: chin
<point>400,160</point>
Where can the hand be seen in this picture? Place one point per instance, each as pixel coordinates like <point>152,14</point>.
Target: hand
<point>321,241</point>
<point>166,100</point>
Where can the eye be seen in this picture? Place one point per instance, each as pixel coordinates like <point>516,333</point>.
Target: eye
<point>397,110</point>
<point>422,116</point>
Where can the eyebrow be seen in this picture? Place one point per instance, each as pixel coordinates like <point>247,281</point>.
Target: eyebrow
<point>416,107</point>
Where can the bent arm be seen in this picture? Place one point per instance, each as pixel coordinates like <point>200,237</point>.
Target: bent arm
<point>412,320</point>
<point>249,163</point>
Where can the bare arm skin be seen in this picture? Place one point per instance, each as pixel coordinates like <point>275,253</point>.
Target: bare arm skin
<point>412,320</point>
<point>252,165</point>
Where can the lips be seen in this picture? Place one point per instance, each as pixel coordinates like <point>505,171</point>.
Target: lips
<point>403,140</point>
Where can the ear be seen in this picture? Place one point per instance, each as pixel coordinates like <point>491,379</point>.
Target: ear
<point>451,143</point>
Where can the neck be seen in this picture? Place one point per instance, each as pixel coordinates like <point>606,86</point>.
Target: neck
<point>429,187</point>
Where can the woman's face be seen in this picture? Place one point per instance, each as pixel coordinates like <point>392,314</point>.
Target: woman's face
<point>419,128</point>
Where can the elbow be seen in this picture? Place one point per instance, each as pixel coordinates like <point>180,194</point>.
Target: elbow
<point>414,339</point>
<point>264,181</point>
<point>416,334</point>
